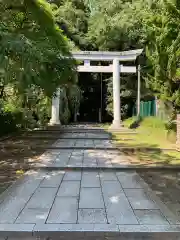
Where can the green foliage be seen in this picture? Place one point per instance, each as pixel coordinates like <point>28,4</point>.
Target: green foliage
<point>34,60</point>
<point>70,99</point>
<point>114,26</point>
<point>8,123</point>
<point>153,25</point>
<point>128,93</point>
<point>109,99</point>
<point>162,37</point>
<point>72,16</point>
<point>32,47</point>
<point>75,97</point>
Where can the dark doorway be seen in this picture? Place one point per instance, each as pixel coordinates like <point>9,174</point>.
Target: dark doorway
<point>93,104</point>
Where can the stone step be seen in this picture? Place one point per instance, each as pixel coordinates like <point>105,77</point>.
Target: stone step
<point>13,146</point>
<point>88,232</point>
<point>62,137</point>
<point>52,167</point>
<point>94,129</point>
<point>115,148</point>
<point>121,167</point>
<point>71,129</point>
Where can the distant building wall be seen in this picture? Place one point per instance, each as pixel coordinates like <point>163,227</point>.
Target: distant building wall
<point>164,110</point>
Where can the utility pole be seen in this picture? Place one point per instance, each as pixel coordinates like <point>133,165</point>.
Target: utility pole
<point>139,91</point>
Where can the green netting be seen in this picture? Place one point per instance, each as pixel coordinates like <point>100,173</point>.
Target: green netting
<point>147,108</point>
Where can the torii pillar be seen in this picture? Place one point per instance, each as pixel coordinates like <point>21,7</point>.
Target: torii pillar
<point>55,109</point>
<point>116,124</point>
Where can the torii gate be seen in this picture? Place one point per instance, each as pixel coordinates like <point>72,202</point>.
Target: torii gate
<point>115,68</point>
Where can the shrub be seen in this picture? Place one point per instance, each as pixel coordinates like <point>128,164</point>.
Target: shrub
<point>9,122</point>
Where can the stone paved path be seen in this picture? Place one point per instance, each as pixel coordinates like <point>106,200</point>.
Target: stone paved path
<point>84,149</point>
<point>95,200</point>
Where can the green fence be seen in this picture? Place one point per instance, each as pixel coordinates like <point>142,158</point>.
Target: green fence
<point>147,108</point>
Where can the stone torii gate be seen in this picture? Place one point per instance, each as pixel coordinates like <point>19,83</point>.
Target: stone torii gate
<point>116,68</point>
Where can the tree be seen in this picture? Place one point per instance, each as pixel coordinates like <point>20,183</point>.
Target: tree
<point>161,30</point>
<point>35,59</point>
<point>33,50</point>
<point>114,26</point>
<point>72,17</point>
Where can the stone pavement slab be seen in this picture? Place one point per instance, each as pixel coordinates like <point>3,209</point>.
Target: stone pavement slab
<point>108,176</point>
<point>69,189</point>
<point>37,201</point>
<point>119,210</point>
<point>150,217</point>
<point>75,163</point>
<point>111,189</point>
<point>76,158</point>
<point>129,179</point>
<point>139,199</point>
<point>91,198</point>
<point>90,179</point>
<point>33,215</point>
<point>92,216</point>
<point>72,176</point>
<point>53,179</point>
<point>64,210</point>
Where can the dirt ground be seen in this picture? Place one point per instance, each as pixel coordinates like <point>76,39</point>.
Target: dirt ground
<point>166,185</point>
<point>16,151</point>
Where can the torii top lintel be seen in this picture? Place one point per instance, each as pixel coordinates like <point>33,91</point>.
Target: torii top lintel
<point>107,56</point>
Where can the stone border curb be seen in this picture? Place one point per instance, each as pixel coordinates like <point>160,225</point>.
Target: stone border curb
<point>16,230</point>
<point>77,230</point>
<point>88,230</point>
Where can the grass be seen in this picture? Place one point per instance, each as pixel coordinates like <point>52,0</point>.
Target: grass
<point>151,133</point>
